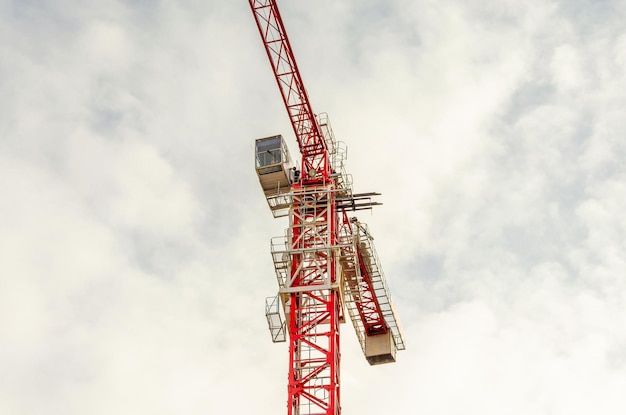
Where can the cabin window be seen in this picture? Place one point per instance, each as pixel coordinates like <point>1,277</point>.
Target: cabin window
<point>269,151</point>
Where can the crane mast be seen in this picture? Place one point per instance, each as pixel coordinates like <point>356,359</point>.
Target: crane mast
<point>325,263</point>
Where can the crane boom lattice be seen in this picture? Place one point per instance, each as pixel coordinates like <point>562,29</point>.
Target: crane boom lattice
<point>305,127</point>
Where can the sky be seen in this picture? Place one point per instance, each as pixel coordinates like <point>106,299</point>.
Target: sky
<point>134,236</point>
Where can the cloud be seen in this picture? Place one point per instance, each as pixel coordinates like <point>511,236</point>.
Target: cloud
<point>134,256</point>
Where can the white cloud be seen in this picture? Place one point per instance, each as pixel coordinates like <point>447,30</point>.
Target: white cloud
<point>567,68</point>
<point>134,255</point>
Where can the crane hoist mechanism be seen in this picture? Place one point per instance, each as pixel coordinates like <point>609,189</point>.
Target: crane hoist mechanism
<point>325,262</point>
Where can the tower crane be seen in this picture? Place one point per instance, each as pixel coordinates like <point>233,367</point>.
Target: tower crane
<point>325,262</point>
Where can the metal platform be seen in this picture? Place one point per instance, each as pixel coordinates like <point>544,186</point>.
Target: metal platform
<point>275,322</point>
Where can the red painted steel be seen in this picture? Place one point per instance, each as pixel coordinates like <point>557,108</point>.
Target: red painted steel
<point>314,300</point>
<point>368,307</point>
<point>314,303</point>
<point>310,140</point>
<point>319,231</point>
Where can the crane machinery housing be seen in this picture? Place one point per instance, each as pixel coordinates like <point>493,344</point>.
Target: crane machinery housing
<point>325,262</point>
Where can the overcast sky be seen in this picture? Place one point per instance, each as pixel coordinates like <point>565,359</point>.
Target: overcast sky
<point>134,236</point>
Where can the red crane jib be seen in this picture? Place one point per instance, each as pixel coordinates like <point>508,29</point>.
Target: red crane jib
<point>315,160</point>
<point>368,306</point>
